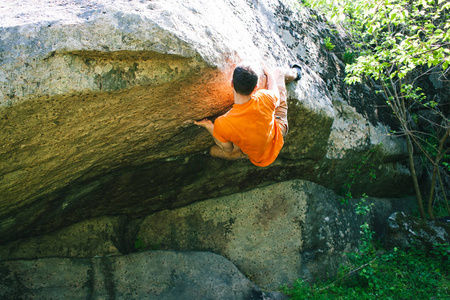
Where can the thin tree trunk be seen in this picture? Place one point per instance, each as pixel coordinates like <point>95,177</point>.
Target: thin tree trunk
<point>430,197</point>
<point>414,177</point>
<point>435,171</point>
<point>443,193</point>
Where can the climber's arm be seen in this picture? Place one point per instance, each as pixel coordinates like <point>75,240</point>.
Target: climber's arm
<point>227,147</point>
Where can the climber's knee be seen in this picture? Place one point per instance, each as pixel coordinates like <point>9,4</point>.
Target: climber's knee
<point>217,152</point>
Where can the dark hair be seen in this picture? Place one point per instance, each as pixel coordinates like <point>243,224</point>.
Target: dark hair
<point>245,79</point>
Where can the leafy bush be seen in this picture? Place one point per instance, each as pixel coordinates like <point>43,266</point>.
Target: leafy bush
<point>398,42</point>
<point>373,272</point>
<point>396,274</point>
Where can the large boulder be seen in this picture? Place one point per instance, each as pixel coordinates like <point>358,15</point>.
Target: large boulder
<point>274,234</point>
<point>149,275</point>
<point>98,99</point>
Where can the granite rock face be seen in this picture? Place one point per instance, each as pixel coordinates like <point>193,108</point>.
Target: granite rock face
<point>405,231</point>
<point>148,275</point>
<point>273,234</point>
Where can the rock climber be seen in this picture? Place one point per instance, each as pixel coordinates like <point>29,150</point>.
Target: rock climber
<point>256,125</point>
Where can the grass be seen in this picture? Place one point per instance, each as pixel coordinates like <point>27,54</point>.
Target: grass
<point>395,274</point>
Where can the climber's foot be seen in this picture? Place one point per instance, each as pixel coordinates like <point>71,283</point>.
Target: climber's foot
<point>294,73</point>
<point>298,69</point>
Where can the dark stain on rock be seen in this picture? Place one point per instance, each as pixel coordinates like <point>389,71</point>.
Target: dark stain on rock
<point>278,208</point>
<point>90,283</point>
<point>108,276</point>
<point>118,78</point>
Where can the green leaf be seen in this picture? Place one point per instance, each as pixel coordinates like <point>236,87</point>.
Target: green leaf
<point>393,16</point>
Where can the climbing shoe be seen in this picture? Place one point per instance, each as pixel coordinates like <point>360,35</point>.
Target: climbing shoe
<point>299,71</point>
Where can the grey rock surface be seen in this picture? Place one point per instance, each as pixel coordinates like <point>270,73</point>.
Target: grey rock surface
<point>274,234</point>
<point>406,231</point>
<point>148,275</point>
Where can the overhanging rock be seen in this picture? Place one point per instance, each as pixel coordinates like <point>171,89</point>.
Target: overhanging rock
<point>98,99</point>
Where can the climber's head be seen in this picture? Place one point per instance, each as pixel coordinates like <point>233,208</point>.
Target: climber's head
<point>245,78</point>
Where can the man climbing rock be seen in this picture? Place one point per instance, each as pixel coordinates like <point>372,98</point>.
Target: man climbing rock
<point>256,125</point>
